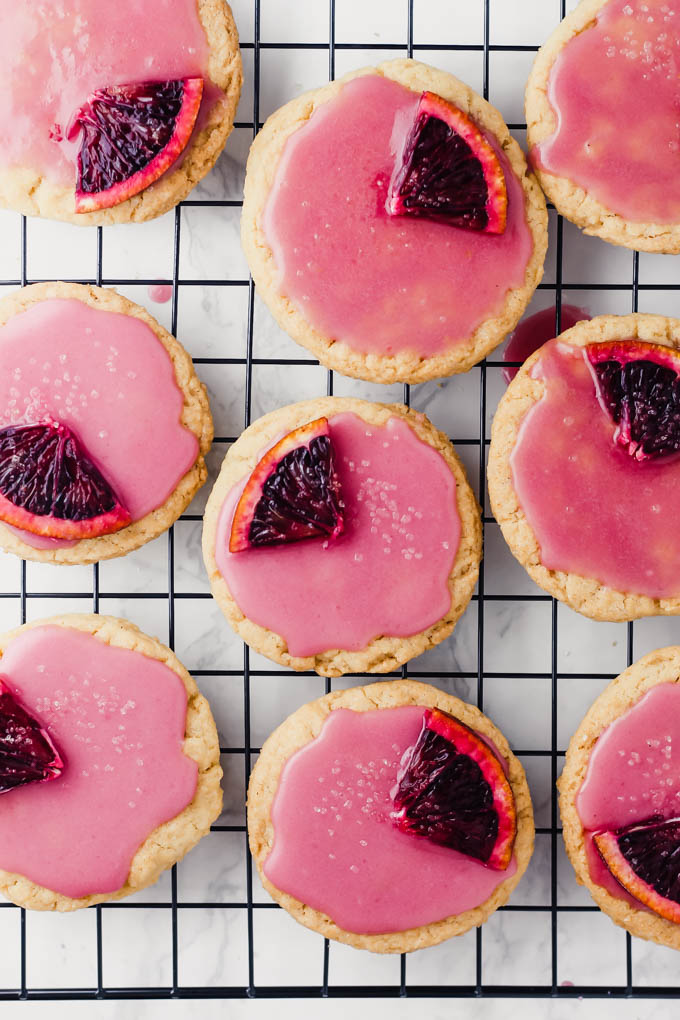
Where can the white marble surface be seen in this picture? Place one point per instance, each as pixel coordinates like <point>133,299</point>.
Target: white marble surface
<point>212,322</point>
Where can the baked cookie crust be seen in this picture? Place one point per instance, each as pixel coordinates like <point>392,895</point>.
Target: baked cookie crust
<point>27,192</point>
<point>195,416</point>
<point>659,667</point>
<point>383,653</point>
<point>263,160</point>
<point>569,198</point>
<point>584,594</point>
<point>301,728</point>
<point>173,839</point>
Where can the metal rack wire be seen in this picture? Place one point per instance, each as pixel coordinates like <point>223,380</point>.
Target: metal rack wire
<point>325,986</point>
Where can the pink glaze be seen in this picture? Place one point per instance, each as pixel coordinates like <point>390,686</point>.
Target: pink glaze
<point>118,719</point>
<point>381,284</point>
<point>54,54</point>
<point>536,330</point>
<point>160,293</point>
<point>109,378</point>
<point>386,574</point>
<point>616,93</point>
<point>633,774</point>
<point>335,846</point>
<point>595,510</point>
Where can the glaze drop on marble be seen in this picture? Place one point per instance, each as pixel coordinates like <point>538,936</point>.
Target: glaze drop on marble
<point>335,847</point>
<point>379,283</point>
<point>118,719</point>
<point>160,293</point>
<point>54,54</point>
<point>616,93</point>
<point>595,510</point>
<point>386,574</point>
<point>109,378</point>
<point>535,330</point>
<point>633,773</point>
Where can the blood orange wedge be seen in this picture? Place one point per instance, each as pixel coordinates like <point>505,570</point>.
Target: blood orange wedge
<point>50,487</point>
<point>453,791</point>
<point>131,134</point>
<point>27,752</point>
<point>449,171</point>
<point>293,493</point>
<point>645,860</point>
<point>638,385</point>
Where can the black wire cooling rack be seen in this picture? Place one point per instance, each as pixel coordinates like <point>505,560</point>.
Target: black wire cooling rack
<point>255,983</point>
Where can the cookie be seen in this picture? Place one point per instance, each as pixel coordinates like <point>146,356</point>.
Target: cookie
<point>406,564</point>
<point>135,405</point>
<point>302,729</point>
<point>591,526</point>
<point>370,295</point>
<point>632,722</point>
<point>94,683</point>
<point>49,73</point>
<point>609,167</point>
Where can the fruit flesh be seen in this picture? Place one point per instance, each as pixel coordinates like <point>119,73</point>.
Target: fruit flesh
<point>453,791</point>
<point>448,171</point>
<point>638,385</point>
<point>293,493</point>
<point>131,135</point>
<point>645,860</point>
<point>50,487</point>
<point>27,752</point>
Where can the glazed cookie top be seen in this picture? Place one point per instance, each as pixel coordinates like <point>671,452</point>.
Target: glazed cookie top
<point>390,583</point>
<point>618,791</point>
<point>53,57</point>
<point>326,826</point>
<point>134,746</point>
<point>611,166</point>
<point>370,292</point>
<point>584,472</point>
<point>89,361</point>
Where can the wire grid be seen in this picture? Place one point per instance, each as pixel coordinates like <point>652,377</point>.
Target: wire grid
<point>325,987</point>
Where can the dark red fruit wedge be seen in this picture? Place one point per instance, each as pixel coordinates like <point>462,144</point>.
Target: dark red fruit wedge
<point>131,134</point>
<point>293,493</point>
<point>638,385</point>
<point>448,171</point>
<point>50,487</point>
<point>454,792</point>
<point>27,752</point>
<point>645,860</point>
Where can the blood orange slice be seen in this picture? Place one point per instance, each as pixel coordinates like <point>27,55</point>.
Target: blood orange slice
<point>293,493</point>
<point>645,860</point>
<point>453,791</point>
<point>27,752</point>
<point>638,386</point>
<point>50,487</point>
<point>131,134</point>
<point>449,171</point>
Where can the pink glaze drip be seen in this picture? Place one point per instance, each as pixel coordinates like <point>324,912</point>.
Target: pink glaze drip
<point>118,719</point>
<point>54,54</point>
<point>387,574</point>
<point>109,378</point>
<point>335,846</point>
<point>595,510</point>
<point>381,284</point>
<point>536,330</point>
<point>616,93</point>
<point>160,293</point>
<point>633,774</point>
